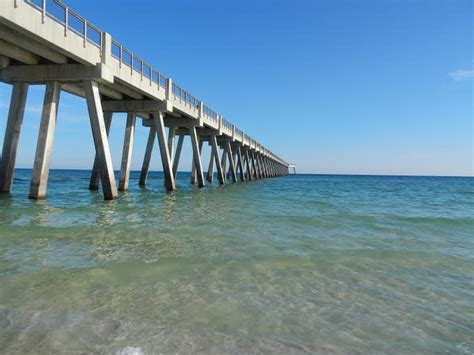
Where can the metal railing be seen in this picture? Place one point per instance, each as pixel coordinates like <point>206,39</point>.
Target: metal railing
<point>184,95</point>
<point>210,114</point>
<point>70,19</point>
<point>137,64</point>
<point>239,133</point>
<point>226,124</point>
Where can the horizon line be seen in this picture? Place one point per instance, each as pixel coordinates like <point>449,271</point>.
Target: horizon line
<point>290,174</point>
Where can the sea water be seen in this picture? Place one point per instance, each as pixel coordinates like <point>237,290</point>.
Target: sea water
<point>298,264</point>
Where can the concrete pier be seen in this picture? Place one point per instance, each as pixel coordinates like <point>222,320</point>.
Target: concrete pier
<point>12,135</point>
<point>39,178</point>
<point>127,152</point>
<point>37,47</point>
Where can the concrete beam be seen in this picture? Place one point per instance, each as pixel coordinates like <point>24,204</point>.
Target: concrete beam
<point>210,169</point>
<point>38,74</point>
<point>31,45</point>
<point>240,164</point>
<point>134,106</point>
<point>197,146</point>
<point>101,141</point>
<point>249,168</point>
<point>171,134</point>
<point>177,154</point>
<point>170,183</point>
<point>127,151</point>
<point>12,135</point>
<point>19,54</point>
<point>94,181</point>
<point>4,61</point>
<point>78,90</point>
<point>39,178</point>
<point>215,151</point>
<point>147,157</point>
<point>230,157</point>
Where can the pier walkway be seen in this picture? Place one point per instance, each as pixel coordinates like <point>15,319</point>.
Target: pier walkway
<point>45,42</point>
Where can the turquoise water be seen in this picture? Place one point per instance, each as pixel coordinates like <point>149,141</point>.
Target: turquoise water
<point>300,264</point>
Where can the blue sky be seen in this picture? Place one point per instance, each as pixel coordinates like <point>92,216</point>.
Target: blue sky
<point>334,86</point>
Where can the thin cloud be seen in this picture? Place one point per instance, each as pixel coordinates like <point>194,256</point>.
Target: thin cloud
<point>462,75</point>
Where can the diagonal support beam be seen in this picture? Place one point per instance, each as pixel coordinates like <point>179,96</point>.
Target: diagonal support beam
<point>147,158</point>
<point>249,168</point>
<point>170,183</point>
<point>193,165</point>
<point>39,178</point>
<point>177,154</point>
<point>171,134</point>
<point>215,152</point>
<point>101,141</point>
<point>231,161</point>
<point>224,161</point>
<point>127,151</point>
<point>254,166</point>
<point>94,181</point>
<point>240,164</point>
<point>12,136</point>
<point>210,169</point>
<point>197,145</point>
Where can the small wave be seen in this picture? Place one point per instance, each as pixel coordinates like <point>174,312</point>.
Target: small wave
<point>130,350</point>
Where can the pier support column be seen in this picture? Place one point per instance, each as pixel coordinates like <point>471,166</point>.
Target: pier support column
<point>264,168</point>
<point>240,164</point>
<point>177,155</point>
<point>231,161</point>
<point>215,151</point>
<point>259,166</point>
<point>94,181</point>
<point>147,158</point>
<point>127,151</point>
<point>39,178</point>
<point>101,141</point>
<point>224,162</point>
<point>193,165</point>
<point>170,183</point>
<point>210,169</point>
<point>254,166</point>
<point>247,161</point>
<point>197,146</point>
<point>171,134</point>
<point>12,135</point>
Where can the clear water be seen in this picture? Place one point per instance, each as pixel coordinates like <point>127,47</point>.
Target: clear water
<point>301,264</point>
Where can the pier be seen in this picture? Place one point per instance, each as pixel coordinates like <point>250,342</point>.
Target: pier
<point>43,42</point>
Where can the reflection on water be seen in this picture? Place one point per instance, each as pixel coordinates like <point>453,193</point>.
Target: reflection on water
<point>324,264</point>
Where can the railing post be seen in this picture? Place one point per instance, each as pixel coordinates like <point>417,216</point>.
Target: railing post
<point>121,56</point>
<point>106,48</point>
<point>85,33</point>
<point>66,20</point>
<point>201,113</point>
<point>169,88</point>
<point>43,13</point>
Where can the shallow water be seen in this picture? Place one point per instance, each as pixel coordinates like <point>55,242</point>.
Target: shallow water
<point>300,264</point>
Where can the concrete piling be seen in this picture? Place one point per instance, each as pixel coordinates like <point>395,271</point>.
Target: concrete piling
<point>12,135</point>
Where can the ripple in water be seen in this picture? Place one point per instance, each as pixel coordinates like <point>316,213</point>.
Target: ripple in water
<point>301,264</point>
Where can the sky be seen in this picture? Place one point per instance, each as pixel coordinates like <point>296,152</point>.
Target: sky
<point>332,86</point>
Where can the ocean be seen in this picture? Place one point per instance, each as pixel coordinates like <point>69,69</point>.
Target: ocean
<point>298,264</point>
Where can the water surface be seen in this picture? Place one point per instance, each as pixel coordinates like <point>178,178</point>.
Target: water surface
<point>300,264</point>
